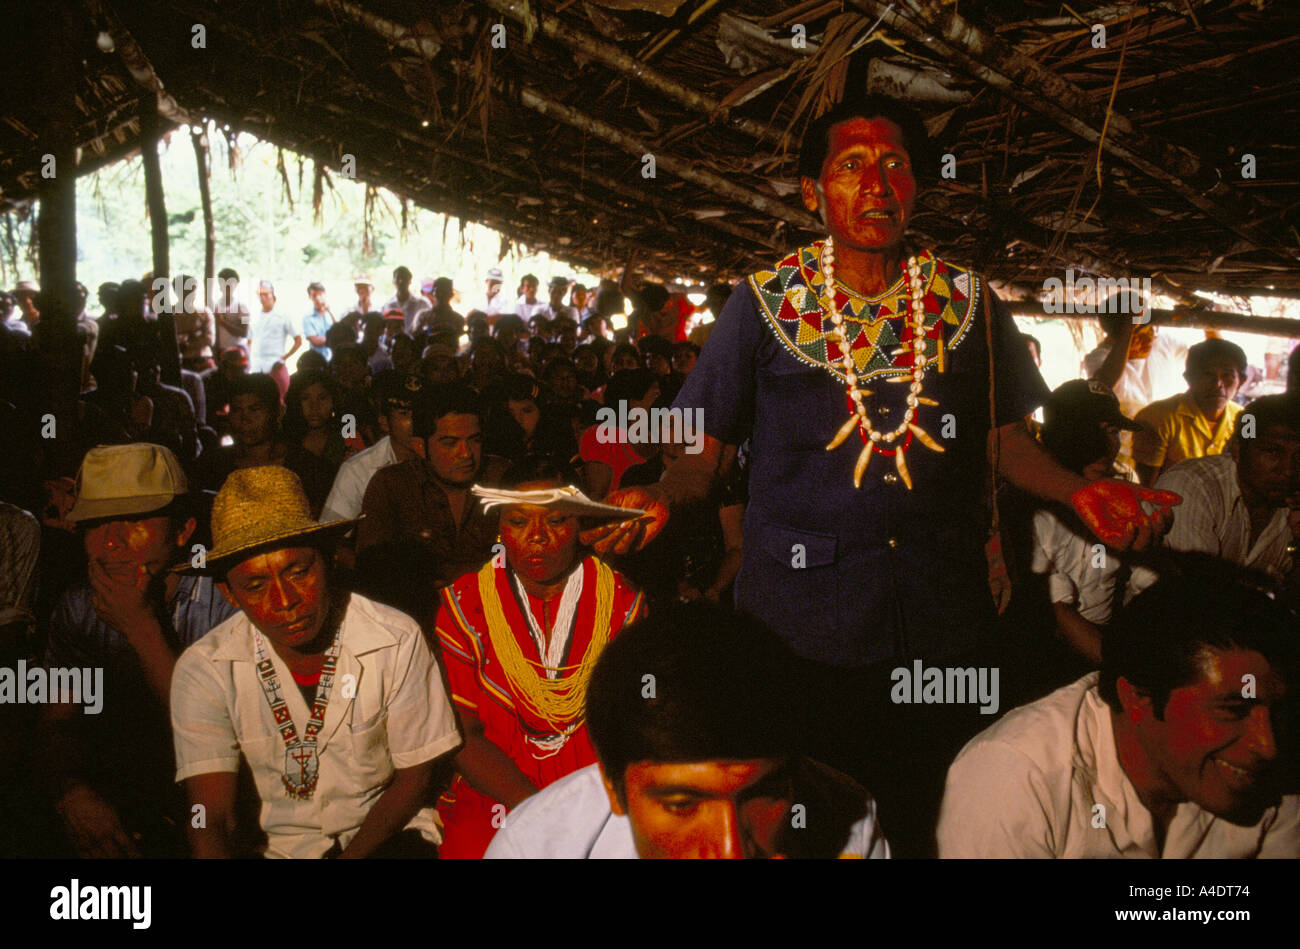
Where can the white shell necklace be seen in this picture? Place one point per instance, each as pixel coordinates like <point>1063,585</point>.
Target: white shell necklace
<point>860,420</point>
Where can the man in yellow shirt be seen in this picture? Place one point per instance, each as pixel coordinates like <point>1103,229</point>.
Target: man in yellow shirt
<point>1198,422</point>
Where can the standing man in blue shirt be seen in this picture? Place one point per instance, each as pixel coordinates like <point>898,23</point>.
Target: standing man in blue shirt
<point>317,323</point>
<point>867,415</point>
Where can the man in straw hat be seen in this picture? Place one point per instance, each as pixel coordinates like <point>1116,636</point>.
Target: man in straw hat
<point>335,701</point>
<point>111,772</point>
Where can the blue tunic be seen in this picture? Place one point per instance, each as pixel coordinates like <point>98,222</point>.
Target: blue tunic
<point>853,576</point>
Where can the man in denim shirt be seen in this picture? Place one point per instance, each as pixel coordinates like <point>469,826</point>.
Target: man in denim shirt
<point>110,771</point>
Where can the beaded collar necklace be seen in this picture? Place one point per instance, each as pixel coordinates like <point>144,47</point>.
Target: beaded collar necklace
<point>872,438</point>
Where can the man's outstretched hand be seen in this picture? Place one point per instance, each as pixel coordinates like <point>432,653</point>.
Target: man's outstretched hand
<point>624,536</point>
<point>1112,510</point>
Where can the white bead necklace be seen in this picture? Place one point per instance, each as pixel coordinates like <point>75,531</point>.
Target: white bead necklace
<point>860,420</point>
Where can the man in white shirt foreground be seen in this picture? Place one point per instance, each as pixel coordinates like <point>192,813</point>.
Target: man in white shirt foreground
<point>694,718</point>
<point>1170,751</point>
<point>335,702</point>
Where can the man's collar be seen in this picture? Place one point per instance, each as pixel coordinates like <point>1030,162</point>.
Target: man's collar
<point>1187,406</point>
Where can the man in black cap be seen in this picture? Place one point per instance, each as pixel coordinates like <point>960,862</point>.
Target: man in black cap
<point>556,310</point>
<point>397,394</point>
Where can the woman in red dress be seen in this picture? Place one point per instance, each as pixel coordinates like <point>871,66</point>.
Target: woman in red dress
<point>519,639</point>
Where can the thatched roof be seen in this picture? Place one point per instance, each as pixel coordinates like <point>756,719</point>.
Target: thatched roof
<point>545,138</point>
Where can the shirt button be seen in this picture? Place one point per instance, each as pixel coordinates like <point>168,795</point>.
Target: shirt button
<point>883,410</point>
<point>893,542</point>
<point>890,478</point>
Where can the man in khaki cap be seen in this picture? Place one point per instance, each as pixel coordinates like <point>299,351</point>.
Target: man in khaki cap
<point>335,702</point>
<point>110,772</point>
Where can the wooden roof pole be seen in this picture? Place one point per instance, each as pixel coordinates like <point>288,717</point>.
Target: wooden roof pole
<point>680,168</point>
<point>153,185</point>
<point>569,167</point>
<point>629,66</point>
<point>1190,316</point>
<point>553,109</point>
<point>138,64</point>
<point>1038,89</point>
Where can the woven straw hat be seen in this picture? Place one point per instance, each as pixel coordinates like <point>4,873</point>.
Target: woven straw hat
<point>259,507</point>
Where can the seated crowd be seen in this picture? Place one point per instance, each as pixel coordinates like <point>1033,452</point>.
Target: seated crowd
<point>355,611</point>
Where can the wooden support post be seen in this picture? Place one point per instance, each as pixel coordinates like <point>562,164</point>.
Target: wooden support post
<point>153,185</point>
<point>199,138</point>
<point>169,358</point>
<point>56,225</point>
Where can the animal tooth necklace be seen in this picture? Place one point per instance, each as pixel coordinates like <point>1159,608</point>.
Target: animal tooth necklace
<point>860,420</point>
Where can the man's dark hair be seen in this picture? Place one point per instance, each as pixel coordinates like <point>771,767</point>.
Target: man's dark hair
<point>628,385</point>
<point>608,302</point>
<point>508,321</point>
<point>528,276</point>
<point>1267,412</point>
<point>817,137</point>
<point>349,352</point>
<point>340,335</point>
<point>623,349</point>
<point>518,387</point>
<point>405,341</point>
<point>228,273</point>
<point>257,384</point>
<point>1215,350</point>
<point>312,361</point>
<point>692,682</point>
<point>402,271</point>
<point>651,297</point>
<point>436,401</point>
<point>557,365</point>
<point>654,346</point>
<point>1160,641</point>
<point>718,291</point>
<point>537,466</point>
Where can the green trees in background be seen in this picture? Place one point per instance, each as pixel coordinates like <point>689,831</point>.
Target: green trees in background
<point>266,227</point>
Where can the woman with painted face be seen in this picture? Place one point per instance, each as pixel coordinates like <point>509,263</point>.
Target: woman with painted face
<point>519,639</point>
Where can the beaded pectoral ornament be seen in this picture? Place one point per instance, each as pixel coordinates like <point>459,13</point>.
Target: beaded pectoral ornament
<point>860,420</point>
